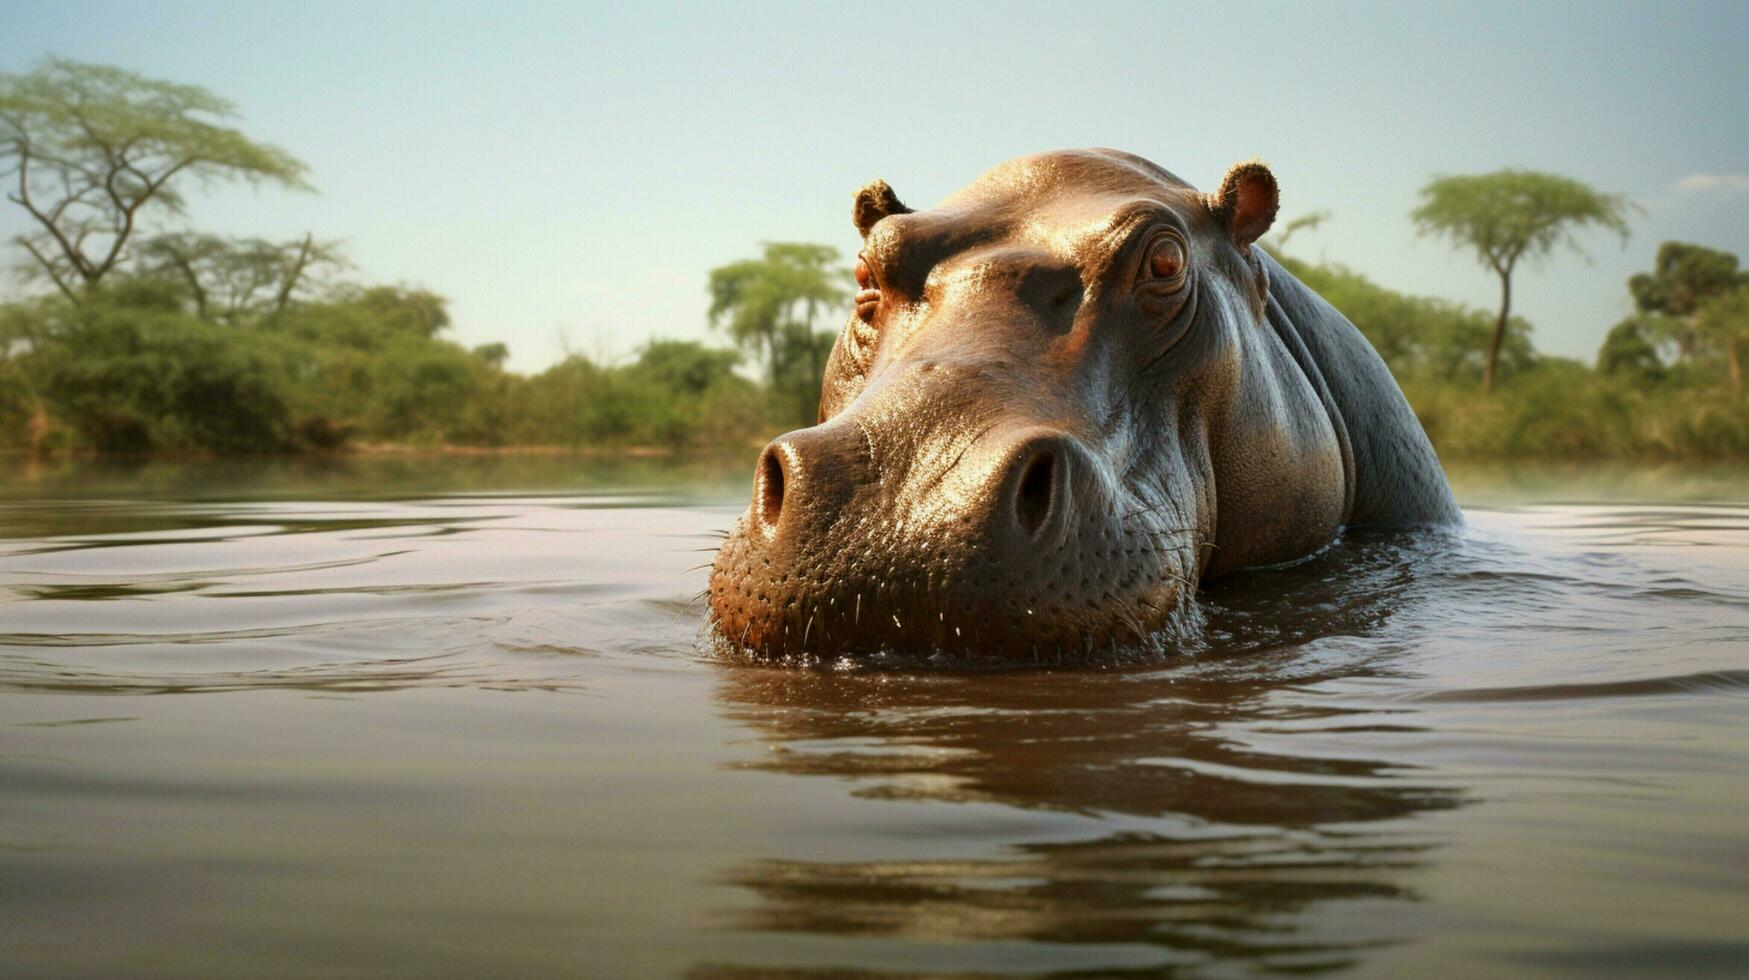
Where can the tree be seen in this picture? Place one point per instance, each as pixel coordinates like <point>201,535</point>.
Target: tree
<point>21,405</point>
<point>1631,348</point>
<point>1724,320</point>
<point>88,147</point>
<point>232,279</point>
<point>684,365</point>
<point>769,306</point>
<point>1420,337</point>
<point>1513,216</point>
<point>684,390</point>
<point>402,309</point>
<point>130,372</point>
<point>494,354</point>
<point>1684,278</point>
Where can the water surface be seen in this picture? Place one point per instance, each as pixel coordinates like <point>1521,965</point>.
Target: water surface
<point>453,717</point>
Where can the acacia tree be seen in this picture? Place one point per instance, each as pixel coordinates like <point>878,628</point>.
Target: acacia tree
<point>87,148</point>
<point>233,279</point>
<point>769,306</point>
<point>1512,216</point>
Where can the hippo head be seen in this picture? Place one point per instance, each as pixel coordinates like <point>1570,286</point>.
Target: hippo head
<point>1058,405</point>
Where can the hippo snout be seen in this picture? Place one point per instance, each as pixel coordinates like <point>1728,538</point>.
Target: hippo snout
<point>1014,495</point>
<point>1006,542</point>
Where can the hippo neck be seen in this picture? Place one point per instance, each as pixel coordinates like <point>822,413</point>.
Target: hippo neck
<point>1393,476</point>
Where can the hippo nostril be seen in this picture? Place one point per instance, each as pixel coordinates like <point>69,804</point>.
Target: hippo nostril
<point>1032,502</point>
<point>768,489</point>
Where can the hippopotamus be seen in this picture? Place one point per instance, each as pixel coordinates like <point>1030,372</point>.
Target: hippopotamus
<point>1065,398</point>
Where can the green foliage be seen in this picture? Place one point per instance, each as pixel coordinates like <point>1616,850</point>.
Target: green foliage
<point>419,391</point>
<point>769,307</point>
<point>1512,216</point>
<point>19,402</point>
<point>685,366</point>
<point>1690,299</point>
<point>677,393</point>
<point>135,378</point>
<point>130,370</point>
<point>1684,277</point>
<point>494,353</point>
<point>1419,336</point>
<point>1638,403</point>
<point>369,360</point>
<point>1633,405</point>
<point>693,395</point>
<point>233,280</point>
<point>88,147</point>
<point>401,311</point>
<point>1560,409</point>
<point>1723,322</point>
<point>1631,349</point>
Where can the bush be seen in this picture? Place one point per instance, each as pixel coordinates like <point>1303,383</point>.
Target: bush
<point>676,394</point>
<point>133,380</point>
<point>1560,409</point>
<point>1420,337</point>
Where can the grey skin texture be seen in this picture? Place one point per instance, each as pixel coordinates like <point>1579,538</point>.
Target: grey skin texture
<point>1068,394</point>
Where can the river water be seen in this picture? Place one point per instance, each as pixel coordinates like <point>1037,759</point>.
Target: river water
<point>454,717</point>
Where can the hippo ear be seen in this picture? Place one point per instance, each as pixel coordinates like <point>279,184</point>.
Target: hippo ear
<point>874,202</point>
<point>1247,201</point>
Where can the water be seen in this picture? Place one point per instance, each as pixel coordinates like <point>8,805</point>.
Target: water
<point>452,717</point>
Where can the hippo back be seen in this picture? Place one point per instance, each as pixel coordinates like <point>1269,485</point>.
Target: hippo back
<point>1395,477</point>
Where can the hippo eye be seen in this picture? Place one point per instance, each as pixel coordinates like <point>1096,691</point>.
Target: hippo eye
<point>862,335</point>
<point>868,295</point>
<point>1166,259</point>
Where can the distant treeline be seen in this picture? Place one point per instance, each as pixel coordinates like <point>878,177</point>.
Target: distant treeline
<point>1662,385</point>
<point>178,341</point>
<point>134,368</point>
<point>130,369</point>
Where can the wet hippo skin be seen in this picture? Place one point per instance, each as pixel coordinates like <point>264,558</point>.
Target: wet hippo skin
<point>1066,396</point>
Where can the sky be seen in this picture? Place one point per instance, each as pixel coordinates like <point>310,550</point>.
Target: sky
<point>568,174</point>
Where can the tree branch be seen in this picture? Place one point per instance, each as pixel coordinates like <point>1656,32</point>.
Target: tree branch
<point>49,268</point>
<point>23,198</point>
<point>181,262</point>
<point>292,275</point>
<point>128,210</point>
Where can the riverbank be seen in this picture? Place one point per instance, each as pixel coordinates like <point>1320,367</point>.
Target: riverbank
<point>724,476</point>
<point>1563,411</point>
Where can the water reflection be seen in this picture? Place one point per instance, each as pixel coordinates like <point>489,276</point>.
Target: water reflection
<point>1194,842</point>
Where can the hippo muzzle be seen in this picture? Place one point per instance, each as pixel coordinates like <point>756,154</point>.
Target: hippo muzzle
<point>931,517</point>
<point>1058,405</point>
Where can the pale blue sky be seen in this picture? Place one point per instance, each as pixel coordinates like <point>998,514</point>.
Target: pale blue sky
<point>560,170</point>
